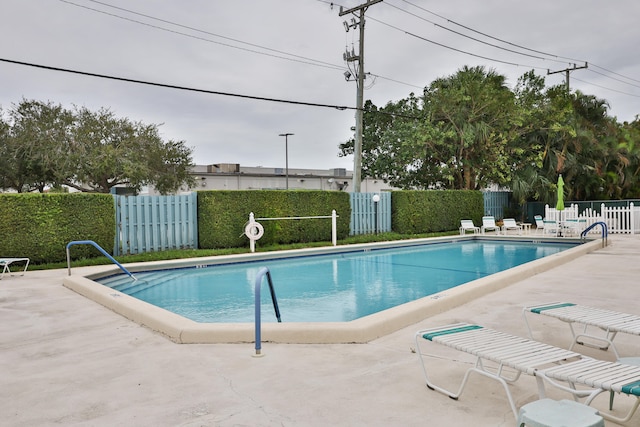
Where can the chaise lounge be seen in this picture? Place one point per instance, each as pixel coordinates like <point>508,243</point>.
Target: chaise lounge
<point>468,225</point>
<point>6,262</point>
<point>563,369</point>
<point>489,224</point>
<point>510,224</point>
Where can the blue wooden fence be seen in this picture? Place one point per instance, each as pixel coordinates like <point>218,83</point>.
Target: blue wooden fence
<point>495,202</point>
<point>369,217</point>
<point>155,223</point>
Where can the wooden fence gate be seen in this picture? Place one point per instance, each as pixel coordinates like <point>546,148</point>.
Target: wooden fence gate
<point>155,223</point>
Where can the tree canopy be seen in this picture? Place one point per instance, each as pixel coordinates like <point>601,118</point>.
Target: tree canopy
<point>43,145</point>
<point>471,131</point>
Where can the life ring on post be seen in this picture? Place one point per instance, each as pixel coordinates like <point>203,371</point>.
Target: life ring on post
<point>254,231</point>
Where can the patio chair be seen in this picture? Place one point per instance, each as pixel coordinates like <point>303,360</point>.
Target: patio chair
<point>6,262</point>
<point>489,223</point>
<point>539,224</point>
<point>514,356</point>
<point>575,226</point>
<point>510,224</point>
<point>551,226</point>
<point>606,323</point>
<point>468,225</point>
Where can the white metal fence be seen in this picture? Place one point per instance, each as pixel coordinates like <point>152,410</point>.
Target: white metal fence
<point>619,219</point>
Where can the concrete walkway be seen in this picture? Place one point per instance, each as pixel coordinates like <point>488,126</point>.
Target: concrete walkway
<point>68,361</point>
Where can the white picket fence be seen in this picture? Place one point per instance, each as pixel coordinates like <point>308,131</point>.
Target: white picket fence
<point>619,220</point>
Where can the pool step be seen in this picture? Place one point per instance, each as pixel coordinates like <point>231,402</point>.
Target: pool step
<point>146,281</point>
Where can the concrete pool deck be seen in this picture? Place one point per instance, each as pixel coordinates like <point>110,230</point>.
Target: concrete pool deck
<point>70,361</point>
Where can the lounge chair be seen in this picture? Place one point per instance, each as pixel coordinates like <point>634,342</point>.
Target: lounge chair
<point>468,225</point>
<point>574,226</point>
<point>489,224</point>
<point>515,355</point>
<point>608,323</point>
<point>510,224</point>
<point>6,262</point>
<point>551,226</point>
<point>539,224</point>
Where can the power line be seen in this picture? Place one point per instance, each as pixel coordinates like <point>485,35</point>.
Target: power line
<point>190,89</point>
<point>502,41</point>
<point>169,86</point>
<point>617,74</point>
<point>607,88</point>
<point>453,48</point>
<point>612,78</point>
<point>293,57</point>
<point>473,38</point>
<point>488,35</point>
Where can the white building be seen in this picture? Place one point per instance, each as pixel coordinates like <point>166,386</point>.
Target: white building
<point>232,176</point>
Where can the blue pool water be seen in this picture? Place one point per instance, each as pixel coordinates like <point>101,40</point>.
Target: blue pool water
<point>327,288</point>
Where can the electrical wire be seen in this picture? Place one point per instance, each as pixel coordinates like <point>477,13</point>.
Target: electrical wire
<point>169,86</point>
<point>502,41</point>
<point>293,57</point>
<point>190,89</point>
<point>603,87</point>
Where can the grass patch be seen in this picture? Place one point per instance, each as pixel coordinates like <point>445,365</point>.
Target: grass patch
<point>195,253</point>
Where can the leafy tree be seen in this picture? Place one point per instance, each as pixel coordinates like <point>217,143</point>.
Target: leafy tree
<point>473,109</point>
<point>35,145</point>
<point>453,137</point>
<point>390,150</point>
<point>91,151</point>
<point>470,131</point>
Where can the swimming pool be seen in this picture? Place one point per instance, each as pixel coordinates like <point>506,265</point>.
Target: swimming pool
<point>328,288</point>
<point>364,329</point>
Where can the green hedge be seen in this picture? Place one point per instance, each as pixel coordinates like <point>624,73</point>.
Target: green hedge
<point>222,216</point>
<point>39,226</point>
<point>415,212</point>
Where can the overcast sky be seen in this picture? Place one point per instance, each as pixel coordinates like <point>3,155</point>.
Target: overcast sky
<point>293,50</point>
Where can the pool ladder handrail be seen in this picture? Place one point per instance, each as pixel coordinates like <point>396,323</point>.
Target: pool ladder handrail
<point>258,325</point>
<point>94,244</point>
<point>605,232</point>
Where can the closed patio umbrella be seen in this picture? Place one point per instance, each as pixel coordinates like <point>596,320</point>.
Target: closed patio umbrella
<point>560,202</point>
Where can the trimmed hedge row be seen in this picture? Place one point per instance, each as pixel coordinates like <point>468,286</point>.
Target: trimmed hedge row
<point>415,212</point>
<point>39,226</point>
<point>222,216</point>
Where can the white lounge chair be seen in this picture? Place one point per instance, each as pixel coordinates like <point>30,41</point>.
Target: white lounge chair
<point>551,227</point>
<point>574,226</point>
<point>605,324</point>
<point>6,262</point>
<point>489,224</point>
<point>539,224</point>
<point>515,355</point>
<point>468,225</point>
<point>511,224</point>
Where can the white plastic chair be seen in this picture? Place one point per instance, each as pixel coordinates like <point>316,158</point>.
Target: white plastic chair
<point>511,224</point>
<point>489,223</point>
<point>468,225</point>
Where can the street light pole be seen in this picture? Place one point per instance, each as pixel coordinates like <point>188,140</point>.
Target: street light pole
<point>286,153</point>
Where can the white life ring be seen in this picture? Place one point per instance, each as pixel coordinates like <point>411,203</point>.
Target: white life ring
<point>254,231</point>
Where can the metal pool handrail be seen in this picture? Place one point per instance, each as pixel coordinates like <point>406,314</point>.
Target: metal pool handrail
<point>263,271</point>
<point>605,232</point>
<point>94,244</point>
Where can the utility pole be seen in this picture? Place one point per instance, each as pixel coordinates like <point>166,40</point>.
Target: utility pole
<point>566,70</point>
<point>358,11</point>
